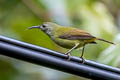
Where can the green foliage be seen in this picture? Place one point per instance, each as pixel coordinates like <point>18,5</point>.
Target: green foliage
<point>95,16</point>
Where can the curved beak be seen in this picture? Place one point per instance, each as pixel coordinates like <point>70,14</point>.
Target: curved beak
<point>34,27</point>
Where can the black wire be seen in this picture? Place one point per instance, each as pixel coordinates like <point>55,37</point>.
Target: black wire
<point>42,56</point>
<point>56,63</point>
<point>57,54</point>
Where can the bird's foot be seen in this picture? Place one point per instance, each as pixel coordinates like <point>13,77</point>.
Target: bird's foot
<point>68,54</point>
<point>83,61</point>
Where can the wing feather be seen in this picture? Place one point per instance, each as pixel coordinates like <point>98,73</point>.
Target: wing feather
<point>75,34</point>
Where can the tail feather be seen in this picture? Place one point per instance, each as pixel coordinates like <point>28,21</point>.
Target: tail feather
<point>105,41</point>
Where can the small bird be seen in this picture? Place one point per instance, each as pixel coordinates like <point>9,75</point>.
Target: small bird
<point>68,37</point>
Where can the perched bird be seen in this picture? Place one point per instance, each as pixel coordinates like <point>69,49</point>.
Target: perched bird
<point>68,37</point>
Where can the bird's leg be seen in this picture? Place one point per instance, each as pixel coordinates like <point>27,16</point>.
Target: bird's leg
<point>82,56</point>
<point>68,53</point>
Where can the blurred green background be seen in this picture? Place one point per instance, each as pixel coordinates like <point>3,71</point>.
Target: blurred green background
<point>101,18</point>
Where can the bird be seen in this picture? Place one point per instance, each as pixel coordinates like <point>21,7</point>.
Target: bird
<point>68,37</point>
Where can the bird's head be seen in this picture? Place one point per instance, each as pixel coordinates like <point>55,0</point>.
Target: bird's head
<point>46,27</point>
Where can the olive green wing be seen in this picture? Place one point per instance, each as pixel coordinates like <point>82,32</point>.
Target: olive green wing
<point>76,34</point>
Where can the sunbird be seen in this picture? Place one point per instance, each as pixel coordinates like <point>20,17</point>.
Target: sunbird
<point>68,37</point>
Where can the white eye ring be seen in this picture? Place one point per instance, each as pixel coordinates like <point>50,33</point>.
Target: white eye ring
<point>43,26</point>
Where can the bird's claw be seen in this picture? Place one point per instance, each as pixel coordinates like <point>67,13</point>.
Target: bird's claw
<point>83,61</point>
<point>68,54</point>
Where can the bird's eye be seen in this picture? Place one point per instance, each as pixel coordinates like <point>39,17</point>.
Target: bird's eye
<point>43,26</point>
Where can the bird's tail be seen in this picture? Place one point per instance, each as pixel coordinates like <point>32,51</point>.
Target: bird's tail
<point>105,41</point>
